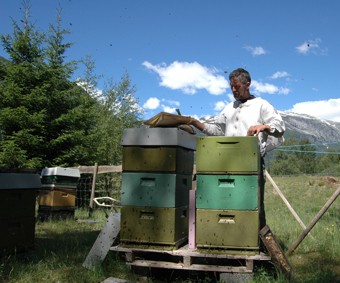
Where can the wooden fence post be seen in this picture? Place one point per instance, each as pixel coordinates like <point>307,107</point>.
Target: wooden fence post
<point>95,170</point>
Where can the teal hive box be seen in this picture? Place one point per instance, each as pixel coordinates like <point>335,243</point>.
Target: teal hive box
<point>155,189</point>
<point>158,159</point>
<point>239,192</point>
<point>155,226</point>
<point>235,155</point>
<point>227,229</point>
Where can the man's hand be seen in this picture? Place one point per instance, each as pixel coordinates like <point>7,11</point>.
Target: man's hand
<point>256,129</point>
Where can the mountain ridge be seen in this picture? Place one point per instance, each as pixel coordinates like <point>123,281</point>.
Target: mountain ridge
<point>303,126</point>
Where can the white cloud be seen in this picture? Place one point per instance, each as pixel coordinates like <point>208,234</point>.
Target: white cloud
<point>324,109</point>
<point>259,88</point>
<point>280,74</point>
<point>169,109</point>
<point>264,87</point>
<point>311,46</point>
<point>171,102</point>
<point>189,77</point>
<point>256,51</point>
<point>152,103</point>
<point>166,105</point>
<point>219,105</point>
<point>284,90</point>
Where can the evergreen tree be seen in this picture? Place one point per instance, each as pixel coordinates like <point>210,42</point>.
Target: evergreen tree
<point>49,120</point>
<point>70,110</point>
<point>22,106</point>
<point>45,118</point>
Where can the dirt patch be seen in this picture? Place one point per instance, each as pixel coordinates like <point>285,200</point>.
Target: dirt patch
<point>330,180</point>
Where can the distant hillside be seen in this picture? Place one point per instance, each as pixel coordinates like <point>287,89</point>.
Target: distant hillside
<point>311,128</point>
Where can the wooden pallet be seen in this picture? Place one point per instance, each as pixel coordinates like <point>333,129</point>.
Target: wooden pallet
<point>189,259</point>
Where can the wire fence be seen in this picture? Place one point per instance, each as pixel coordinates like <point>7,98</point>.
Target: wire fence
<point>105,181</point>
<point>101,185</point>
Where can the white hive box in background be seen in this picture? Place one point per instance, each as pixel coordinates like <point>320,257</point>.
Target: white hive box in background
<point>60,171</point>
<point>55,177</point>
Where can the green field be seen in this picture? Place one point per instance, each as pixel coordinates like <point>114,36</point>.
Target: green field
<point>62,246</point>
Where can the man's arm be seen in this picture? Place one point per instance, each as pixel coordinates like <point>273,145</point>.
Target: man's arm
<point>197,124</point>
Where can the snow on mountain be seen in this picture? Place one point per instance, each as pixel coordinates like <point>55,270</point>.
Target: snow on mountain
<point>302,126</point>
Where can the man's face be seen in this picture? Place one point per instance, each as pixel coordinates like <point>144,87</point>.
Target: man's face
<point>240,90</point>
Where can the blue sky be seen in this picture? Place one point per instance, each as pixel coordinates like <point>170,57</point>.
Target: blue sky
<point>179,53</point>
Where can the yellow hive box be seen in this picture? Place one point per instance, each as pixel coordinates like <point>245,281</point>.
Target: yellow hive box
<point>57,198</point>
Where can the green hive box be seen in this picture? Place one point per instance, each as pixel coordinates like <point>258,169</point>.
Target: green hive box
<point>227,155</point>
<point>239,192</point>
<point>155,226</point>
<point>156,190</point>
<point>227,229</point>
<point>158,159</point>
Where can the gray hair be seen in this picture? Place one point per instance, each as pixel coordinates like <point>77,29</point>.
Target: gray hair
<point>240,73</point>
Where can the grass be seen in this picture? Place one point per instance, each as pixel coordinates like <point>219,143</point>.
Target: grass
<point>317,258</point>
<point>60,249</point>
<point>62,246</point>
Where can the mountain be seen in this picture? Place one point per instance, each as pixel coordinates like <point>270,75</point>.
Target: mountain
<point>302,126</point>
<point>314,129</point>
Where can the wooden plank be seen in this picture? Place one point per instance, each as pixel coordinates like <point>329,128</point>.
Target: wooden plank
<point>250,264</point>
<point>185,251</point>
<point>129,256</point>
<point>103,242</point>
<point>187,261</point>
<point>279,258</point>
<point>101,169</point>
<point>198,267</point>
<point>116,280</point>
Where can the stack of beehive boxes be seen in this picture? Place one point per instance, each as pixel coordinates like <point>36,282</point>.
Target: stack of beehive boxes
<point>17,211</point>
<point>57,198</point>
<point>156,179</point>
<point>227,196</point>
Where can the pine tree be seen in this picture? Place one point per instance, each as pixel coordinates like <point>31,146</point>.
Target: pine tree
<point>22,106</point>
<point>45,118</point>
<point>70,110</point>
